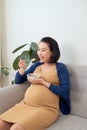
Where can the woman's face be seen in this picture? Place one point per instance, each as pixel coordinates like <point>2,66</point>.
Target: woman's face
<point>44,52</point>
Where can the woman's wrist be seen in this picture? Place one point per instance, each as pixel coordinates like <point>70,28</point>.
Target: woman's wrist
<point>21,71</point>
<point>45,83</point>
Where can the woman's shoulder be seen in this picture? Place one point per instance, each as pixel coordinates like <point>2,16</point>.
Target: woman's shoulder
<point>60,64</point>
<point>61,67</point>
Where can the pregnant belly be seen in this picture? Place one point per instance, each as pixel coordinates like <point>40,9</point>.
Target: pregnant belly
<point>39,95</point>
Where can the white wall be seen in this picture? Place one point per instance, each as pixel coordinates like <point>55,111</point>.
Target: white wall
<point>30,20</point>
<point>0,43</point>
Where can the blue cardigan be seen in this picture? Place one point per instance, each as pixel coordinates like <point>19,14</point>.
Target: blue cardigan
<point>63,91</point>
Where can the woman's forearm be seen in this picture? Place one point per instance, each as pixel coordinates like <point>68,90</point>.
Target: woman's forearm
<point>45,83</point>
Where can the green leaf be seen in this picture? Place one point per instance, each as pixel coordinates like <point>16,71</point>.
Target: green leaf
<point>33,54</point>
<point>33,51</point>
<point>7,68</point>
<point>18,48</point>
<point>34,46</point>
<point>4,71</point>
<point>12,82</point>
<point>25,56</point>
<point>15,63</point>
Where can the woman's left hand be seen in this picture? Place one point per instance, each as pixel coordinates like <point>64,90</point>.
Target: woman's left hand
<point>39,81</point>
<point>35,81</point>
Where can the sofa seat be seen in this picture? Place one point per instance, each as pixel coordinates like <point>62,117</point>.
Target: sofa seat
<point>69,122</point>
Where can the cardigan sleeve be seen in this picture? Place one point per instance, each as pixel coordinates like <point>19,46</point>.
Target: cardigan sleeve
<point>22,78</point>
<point>63,89</point>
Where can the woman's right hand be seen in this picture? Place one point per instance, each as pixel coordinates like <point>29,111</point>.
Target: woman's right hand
<point>22,66</point>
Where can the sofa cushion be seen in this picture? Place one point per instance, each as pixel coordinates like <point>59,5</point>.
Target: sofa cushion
<point>10,95</point>
<point>69,122</point>
<point>78,81</point>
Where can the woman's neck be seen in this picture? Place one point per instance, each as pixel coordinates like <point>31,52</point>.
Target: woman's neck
<point>46,67</point>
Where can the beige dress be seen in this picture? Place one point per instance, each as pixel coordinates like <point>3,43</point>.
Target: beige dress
<point>39,108</point>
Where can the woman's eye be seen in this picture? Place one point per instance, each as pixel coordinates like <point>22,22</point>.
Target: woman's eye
<point>43,50</point>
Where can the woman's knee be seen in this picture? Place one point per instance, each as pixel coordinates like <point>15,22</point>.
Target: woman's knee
<point>17,127</point>
<point>4,124</point>
<point>1,122</point>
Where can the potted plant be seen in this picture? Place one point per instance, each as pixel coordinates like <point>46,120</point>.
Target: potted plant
<point>28,55</point>
<point>4,70</point>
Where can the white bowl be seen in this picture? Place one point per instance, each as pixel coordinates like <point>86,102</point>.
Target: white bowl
<point>33,76</point>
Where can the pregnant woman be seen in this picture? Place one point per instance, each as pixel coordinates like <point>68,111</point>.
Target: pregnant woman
<point>46,96</point>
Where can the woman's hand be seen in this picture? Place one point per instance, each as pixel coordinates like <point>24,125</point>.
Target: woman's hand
<point>39,81</point>
<point>22,66</point>
<point>35,80</point>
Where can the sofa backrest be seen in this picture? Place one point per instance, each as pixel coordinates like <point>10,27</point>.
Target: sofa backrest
<point>78,94</point>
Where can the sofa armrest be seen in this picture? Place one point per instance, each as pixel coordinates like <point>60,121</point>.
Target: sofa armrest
<point>10,95</point>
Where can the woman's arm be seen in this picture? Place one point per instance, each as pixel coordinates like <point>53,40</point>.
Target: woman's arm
<point>21,78</point>
<point>63,90</point>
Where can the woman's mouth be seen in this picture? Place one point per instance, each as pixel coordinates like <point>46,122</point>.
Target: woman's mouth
<point>41,58</point>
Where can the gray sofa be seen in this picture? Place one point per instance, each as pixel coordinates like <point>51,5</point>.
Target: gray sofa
<point>77,119</point>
